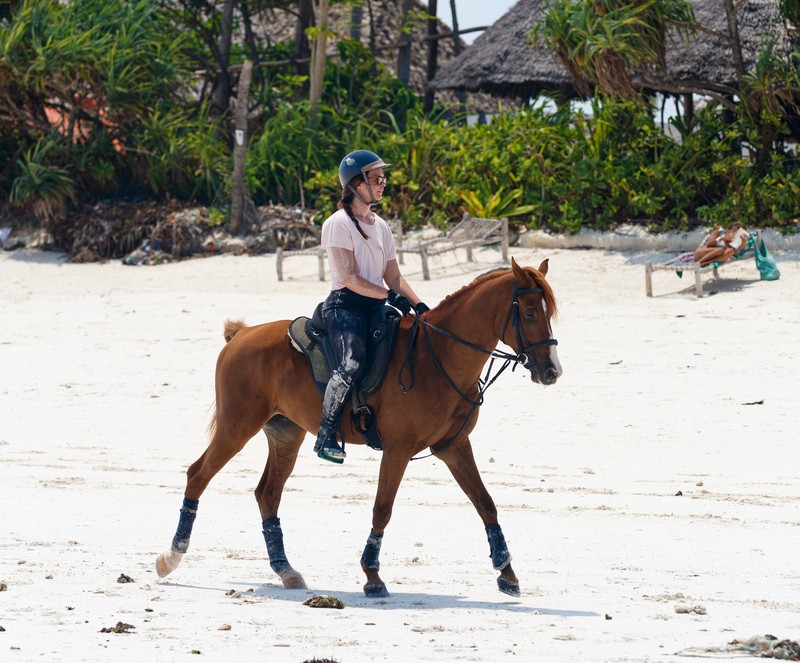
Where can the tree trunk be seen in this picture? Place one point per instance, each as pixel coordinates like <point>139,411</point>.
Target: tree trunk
<point>302,49</point>
<point>222,82</point>
<point>356,18</point>
<point>404,52</point>
<point>318,55</point>
<point>462,96</point>
<point>240,148</point>
<point>433,54</point>
<point>736,42</point>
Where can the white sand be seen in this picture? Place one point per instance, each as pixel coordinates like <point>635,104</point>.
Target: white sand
<point>107,385</point>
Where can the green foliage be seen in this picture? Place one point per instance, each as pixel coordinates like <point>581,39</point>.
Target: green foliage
<point>600,40</point>
<point>42,188</point>
<point>791,10</point>
<point>105,82</point>
<point>297,153</point>
<point>95,102</point>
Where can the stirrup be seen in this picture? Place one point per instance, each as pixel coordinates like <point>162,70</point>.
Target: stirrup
<point>327,447</point>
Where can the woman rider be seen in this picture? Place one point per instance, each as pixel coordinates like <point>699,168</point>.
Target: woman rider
<point>363,263</point>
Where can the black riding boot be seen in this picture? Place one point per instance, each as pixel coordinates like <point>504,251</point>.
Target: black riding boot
<point>327,447</point>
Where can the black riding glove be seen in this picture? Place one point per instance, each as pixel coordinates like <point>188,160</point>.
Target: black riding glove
<point>399,302</point>
<point>420,308</point>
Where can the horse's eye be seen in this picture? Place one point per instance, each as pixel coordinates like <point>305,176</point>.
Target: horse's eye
<point>529,313</point>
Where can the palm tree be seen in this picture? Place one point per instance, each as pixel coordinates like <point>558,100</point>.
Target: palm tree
<point>599,41</point>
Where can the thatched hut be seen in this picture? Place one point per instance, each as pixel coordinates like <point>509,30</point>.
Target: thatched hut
<point>502,61</point>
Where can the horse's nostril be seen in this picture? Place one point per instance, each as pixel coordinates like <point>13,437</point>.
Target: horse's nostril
<point>550,375</point>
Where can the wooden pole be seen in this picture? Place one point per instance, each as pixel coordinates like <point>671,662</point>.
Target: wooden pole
<point>462,96</point>
<point>302,49</point>
<point>240,148</point>
<point>318,56</point>
<point>433,54</point>
<point>356,18</point>
<point>404,60</point>
<point>404,52</point>
<point>222,86</point>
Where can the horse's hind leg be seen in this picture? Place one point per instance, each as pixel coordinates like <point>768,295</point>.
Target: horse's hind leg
<point>461,463</point>
<point>285,438</point>
<point>225,443</point>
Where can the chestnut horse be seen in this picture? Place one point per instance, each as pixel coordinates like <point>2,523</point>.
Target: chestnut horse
<point>262,382</point>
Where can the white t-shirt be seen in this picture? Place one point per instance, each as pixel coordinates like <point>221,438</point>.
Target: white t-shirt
<point>371,256</point>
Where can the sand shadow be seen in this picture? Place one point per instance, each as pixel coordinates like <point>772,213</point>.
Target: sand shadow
<point>409,600</point>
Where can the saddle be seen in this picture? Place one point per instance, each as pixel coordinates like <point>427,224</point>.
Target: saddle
<point>308,335</point>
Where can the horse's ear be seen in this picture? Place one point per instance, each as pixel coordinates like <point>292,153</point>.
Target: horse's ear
<point>543,266</point>
<point>520,275</point>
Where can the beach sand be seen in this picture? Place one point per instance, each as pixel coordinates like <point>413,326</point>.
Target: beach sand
<point>650,498</point>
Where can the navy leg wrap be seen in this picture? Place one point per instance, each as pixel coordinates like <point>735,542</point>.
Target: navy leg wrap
<point>180,542</point>
<point>273,536</point>
<point>498,550</point>
<point>372,551</point>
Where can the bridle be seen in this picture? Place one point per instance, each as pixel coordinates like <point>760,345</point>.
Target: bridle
<point>522,357</point>
<point>525,348</point>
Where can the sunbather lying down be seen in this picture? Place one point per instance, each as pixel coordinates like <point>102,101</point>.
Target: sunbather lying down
<point>721,245</point>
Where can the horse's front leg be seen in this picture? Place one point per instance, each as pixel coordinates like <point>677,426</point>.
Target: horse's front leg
<point>285,438</point>
<point>393,466</point>
<point>459,459</point>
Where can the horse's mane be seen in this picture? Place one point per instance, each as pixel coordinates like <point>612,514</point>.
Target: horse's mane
<point>538,277</point>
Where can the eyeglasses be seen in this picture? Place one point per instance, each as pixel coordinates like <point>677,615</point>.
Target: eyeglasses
<point>380,180</point>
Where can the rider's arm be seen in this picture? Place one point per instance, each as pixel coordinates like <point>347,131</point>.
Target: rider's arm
<point>395,280</point>
<point>343,269</point>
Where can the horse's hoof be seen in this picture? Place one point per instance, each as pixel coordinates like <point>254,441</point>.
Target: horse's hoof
<point>375,590</point>
<point>167,562</point>
<point>293,580</point>
<point>510,587</point>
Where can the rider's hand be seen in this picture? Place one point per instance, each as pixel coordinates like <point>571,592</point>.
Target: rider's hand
<point>399,302</point>
<point>420,308</point>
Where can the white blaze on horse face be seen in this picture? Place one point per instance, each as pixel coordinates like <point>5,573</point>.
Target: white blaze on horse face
<point>552,348</point>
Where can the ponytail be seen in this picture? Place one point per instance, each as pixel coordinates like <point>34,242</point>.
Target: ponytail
<point>346,203</point>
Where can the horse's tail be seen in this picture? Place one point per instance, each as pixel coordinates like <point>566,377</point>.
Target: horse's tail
<point>231,327</point>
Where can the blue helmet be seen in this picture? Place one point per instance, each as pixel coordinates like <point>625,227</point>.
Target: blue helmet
<point>358,163</point>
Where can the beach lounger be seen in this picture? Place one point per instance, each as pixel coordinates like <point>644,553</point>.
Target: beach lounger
<point>468,233</point>
<point>686,263</point>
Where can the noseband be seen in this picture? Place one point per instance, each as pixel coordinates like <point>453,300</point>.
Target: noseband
<point>523,347</point>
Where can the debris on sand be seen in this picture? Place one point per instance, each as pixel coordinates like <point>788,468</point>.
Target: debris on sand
<point>124,578</point>
<point>761,646</point>
<point>324,602</point>
<point>121,627</point>
<point>149,232</point>
<point>683,609</point>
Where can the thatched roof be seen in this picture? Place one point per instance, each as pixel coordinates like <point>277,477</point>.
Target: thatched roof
<point>501,61</point>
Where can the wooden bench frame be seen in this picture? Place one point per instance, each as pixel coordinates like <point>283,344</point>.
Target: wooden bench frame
<point>281,254</point>
<point>469,233</point>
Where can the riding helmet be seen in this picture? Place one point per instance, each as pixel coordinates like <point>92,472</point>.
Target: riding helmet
<point>358,163</point>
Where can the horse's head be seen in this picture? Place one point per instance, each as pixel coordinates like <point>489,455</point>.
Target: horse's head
<point>527,326</point>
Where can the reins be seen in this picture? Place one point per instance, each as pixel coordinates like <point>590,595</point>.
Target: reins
<point>487,380</point>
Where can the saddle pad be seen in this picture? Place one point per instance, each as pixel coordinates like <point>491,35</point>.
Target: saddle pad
<point>321,358</point>
<point>312,350</point>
